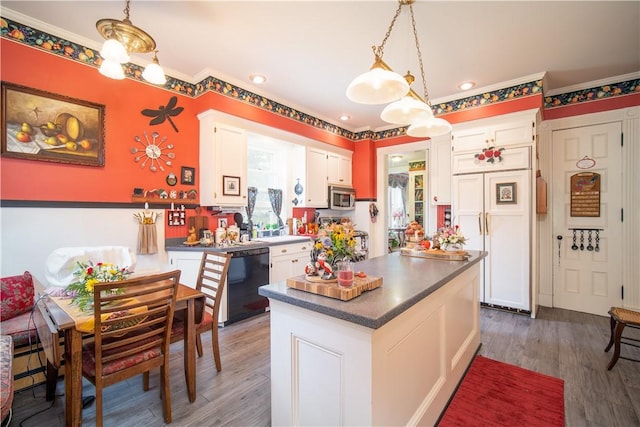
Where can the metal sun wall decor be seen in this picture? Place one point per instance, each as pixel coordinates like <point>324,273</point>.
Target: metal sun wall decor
<point>153,151</point>
<point>164,112</point>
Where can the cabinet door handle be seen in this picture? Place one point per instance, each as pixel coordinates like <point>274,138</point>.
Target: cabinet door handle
<point>480,223</point>
<point>486,223</point>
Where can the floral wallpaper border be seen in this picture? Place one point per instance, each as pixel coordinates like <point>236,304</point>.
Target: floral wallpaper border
<point>592,94</point>
<point>35,38</point>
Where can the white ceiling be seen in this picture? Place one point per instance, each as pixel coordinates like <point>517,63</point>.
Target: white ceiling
<point>311,50</point>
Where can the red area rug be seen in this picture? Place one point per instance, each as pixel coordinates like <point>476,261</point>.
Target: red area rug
<point>493,393</point>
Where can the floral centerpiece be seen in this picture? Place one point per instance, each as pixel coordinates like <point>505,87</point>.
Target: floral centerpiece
<point>334,243</point>
<point>87,274</point>
<point>449,238</point>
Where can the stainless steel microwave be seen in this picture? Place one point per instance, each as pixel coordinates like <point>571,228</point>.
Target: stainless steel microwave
<point>342,198</point>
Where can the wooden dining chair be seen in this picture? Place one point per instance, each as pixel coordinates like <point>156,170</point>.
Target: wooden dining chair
<point>133,321</point>
<point>212,278</point>
<point>621,317</point>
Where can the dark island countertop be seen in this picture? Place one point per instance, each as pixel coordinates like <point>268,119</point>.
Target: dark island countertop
<point>405,281</point>
<point>177,244</point>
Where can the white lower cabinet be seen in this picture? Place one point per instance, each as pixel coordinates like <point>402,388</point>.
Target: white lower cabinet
<point>288,260</point>
<point>188,262</point>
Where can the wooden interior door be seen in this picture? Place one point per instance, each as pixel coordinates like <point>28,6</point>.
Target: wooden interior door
<point>587,280</point>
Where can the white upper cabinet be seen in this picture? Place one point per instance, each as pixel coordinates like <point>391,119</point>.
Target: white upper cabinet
<point>440,170</point>
<point>338,169</point>
<point>324,168</point>
<point>223,163</point>
<point>317,191</point>
<point>502,133</point>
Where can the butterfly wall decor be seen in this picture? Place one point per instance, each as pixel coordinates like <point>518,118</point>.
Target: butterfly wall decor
<point>164,112</point>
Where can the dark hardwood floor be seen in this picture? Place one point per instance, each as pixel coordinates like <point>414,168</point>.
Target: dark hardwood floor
<point>561,343</point>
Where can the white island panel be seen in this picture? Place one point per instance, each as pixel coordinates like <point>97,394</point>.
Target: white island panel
<point>328,371</point>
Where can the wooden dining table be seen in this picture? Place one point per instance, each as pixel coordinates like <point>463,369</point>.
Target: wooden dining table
<point>51,320</point>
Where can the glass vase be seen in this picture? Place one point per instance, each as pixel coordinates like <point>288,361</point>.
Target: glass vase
<point>345,273</point>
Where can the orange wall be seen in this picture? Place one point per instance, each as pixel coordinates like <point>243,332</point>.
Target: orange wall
<point>123,100</point>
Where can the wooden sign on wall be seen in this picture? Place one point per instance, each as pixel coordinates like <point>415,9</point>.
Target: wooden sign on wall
<point>585,194</point>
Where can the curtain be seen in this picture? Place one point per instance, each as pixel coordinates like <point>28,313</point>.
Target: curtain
<point>251,204</point>
<point>275,196</point>
<point>400,181</point>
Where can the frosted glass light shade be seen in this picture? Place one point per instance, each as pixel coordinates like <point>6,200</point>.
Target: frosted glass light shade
<point>377,86</point>
<point>153,73</point>
<point>428,128</point>
<point>405,111</point>
<point>112,69</point>
<point>113,50</point>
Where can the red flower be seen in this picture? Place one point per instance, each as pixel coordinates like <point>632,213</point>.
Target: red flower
<point>90,270</point>
<point>481,157</point>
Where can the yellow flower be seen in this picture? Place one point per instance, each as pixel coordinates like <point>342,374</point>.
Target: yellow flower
<point>90,284</point>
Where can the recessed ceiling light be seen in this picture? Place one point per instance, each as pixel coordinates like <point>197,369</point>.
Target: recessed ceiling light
<point>345,117</point>
<point>466,85</point>
<point>396,158</point>
<point>257,79</point>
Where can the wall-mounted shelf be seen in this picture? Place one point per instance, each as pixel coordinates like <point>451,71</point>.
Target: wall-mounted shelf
<point>188,203</point>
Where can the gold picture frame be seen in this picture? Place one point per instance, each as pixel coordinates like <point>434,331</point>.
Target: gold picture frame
<point>39,125</point>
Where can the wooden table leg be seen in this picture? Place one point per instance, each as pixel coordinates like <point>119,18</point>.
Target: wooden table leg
<point>189,350</point>
<point>52,378</point>
<point>73,377</point>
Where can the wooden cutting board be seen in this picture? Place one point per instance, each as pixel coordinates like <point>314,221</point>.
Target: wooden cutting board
<point>332,289</point>
<point>199,222</point>
<point>436,254</point>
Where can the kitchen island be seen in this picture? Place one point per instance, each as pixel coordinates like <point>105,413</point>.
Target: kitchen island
<point>392,356</point>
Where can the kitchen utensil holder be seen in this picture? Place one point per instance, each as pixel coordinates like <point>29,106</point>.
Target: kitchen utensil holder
<point>590,237</point>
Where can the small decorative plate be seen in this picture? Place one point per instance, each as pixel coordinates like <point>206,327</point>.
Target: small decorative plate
<point>585,163</point>
<point>172,179</point>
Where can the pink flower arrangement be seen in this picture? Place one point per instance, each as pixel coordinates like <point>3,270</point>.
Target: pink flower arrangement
<point>449,236</point>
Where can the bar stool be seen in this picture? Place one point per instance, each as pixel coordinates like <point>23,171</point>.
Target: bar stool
<point>621,317</point>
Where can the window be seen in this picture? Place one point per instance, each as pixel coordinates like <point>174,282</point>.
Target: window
<point>267,161</point>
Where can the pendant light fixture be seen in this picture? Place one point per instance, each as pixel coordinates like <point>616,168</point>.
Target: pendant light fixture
<point>380,84</point>
<point>409,109</point>
<point>122,38</point>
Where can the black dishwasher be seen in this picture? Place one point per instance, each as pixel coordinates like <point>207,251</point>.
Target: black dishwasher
<point>248,270</point>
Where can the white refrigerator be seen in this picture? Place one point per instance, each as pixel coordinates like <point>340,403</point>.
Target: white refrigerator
<point>493,210</point>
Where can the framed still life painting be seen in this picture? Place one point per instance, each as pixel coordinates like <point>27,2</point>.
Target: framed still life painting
<point>38,125</point>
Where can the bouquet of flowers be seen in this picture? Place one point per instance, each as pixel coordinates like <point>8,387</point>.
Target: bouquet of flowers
<point>87,275</point>
<point>334,243</point>
<point>449,237</point>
